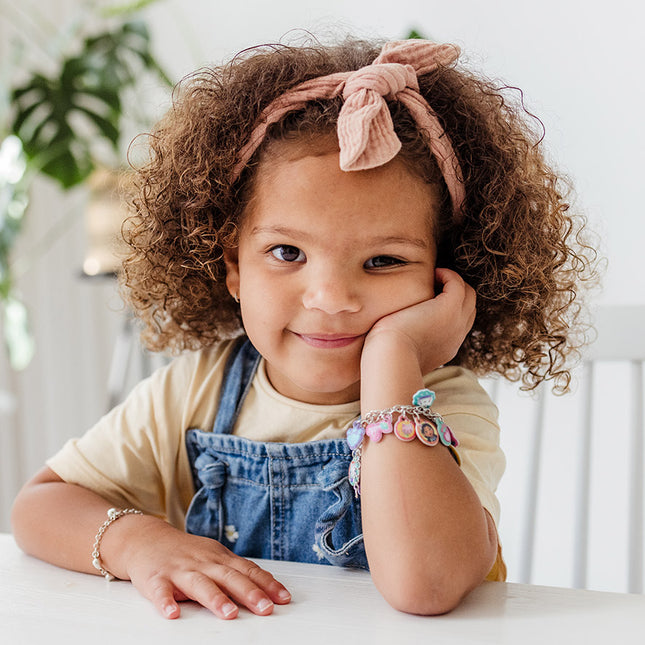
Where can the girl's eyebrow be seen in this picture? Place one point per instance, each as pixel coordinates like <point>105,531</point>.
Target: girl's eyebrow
<point>307,236</point>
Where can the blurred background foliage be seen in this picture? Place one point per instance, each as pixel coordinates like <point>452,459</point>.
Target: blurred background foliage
<point>64,91</point>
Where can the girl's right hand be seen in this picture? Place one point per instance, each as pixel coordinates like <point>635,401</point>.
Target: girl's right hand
<point>53,520</point>
<point>167,565</point>
<point>434,329</point>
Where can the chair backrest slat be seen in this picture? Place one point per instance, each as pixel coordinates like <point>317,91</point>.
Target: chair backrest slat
<point>635,547</point>
<point>533,477</point>
<point>583,492</point>
<point>585,496</point>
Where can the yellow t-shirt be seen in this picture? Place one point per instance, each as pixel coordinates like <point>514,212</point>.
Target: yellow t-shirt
<point>135,456</point>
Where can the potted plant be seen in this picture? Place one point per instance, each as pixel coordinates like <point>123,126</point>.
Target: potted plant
<point>65,125</point>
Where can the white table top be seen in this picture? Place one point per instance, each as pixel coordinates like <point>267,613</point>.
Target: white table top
<point>41,603</point>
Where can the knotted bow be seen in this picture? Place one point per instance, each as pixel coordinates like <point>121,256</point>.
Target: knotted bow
<point>365,130</point>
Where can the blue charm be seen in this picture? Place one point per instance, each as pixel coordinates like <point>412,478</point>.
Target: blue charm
<point>423,398</point>
<point>355,435</point>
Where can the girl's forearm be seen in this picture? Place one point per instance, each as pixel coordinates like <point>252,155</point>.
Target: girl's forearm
<point>427,538</point>
<point>57,522</point>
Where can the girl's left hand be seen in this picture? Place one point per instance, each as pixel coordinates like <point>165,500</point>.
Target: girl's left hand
<point>434,329</point>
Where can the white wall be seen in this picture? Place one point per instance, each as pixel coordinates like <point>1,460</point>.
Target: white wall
<point>579,63</point>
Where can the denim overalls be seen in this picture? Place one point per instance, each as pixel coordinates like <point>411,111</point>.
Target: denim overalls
<point>280,501</point>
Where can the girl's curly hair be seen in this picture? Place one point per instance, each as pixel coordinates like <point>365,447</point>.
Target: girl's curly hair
<point>519,246</point>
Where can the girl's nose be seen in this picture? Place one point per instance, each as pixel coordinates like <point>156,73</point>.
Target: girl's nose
<point>332,292</point>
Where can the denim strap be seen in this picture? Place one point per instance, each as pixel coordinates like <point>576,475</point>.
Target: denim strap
<point>238,374</point>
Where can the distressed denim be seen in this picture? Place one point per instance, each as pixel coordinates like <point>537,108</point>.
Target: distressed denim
<point>281,501</point>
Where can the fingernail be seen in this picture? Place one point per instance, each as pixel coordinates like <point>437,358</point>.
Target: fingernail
<point>264,604</point>
<point>284,595</point>
<point>228,609</point>
<point>169,610</point>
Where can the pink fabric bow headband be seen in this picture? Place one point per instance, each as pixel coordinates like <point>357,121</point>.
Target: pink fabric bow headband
<point>365,130</point>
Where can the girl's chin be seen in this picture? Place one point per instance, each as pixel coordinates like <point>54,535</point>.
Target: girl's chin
<point>321,390</point>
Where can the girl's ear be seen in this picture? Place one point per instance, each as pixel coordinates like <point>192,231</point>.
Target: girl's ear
<point>232,272</point>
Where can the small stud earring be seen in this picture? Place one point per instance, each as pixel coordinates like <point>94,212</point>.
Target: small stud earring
<point>235,297</point>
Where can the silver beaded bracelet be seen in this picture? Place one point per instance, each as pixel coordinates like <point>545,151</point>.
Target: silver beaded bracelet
<point>113,515</point>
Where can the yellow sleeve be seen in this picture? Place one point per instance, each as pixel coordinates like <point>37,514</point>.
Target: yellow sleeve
<point>135,455</point>
<point>498,572</point>
<point>472,417</point>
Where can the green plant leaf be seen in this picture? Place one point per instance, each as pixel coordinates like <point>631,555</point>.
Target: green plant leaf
<point>414,34</point>
<point>61,118</point>
<point>109,96</point>
<point>104,125</point>
<point>68,168</point>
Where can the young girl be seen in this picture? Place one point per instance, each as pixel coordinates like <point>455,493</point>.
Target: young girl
<point>314,223</point>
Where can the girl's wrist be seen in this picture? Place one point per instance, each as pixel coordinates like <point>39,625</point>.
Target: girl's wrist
<point>384,344</point>
<point>390,371</point>
<point>113,515</point>
<point>119,544</point>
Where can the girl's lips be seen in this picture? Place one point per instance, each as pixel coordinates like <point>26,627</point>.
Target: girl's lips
<point>329,341</point>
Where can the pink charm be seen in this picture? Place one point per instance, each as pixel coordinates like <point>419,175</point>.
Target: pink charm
<point>427,433</point>
<point>447,438</point>
<point>376,430</point>
<point>404,429</point>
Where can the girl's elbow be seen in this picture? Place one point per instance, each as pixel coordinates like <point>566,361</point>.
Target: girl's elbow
<point>29,509</point>
<point>427,592</point>
<point>22,524</point>
<point>423,597</point>
<point>17,519</point>
<point>414,583</point>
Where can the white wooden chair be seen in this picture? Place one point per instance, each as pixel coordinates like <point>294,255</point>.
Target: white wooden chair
<point>572,497</point>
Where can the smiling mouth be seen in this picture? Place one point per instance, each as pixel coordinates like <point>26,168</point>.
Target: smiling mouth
<point>329,341</point>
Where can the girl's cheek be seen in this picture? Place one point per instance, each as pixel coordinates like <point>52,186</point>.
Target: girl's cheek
<point>413,294</point>
<point>422,289</point>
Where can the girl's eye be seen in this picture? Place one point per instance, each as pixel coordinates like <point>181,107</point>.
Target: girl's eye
<point>383,261</point>
<point>287,253</point>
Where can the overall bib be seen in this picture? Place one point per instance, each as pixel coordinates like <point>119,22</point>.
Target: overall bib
<point>279,501</point>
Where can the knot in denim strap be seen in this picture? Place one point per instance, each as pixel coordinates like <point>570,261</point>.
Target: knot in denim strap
<point>211,472</point>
